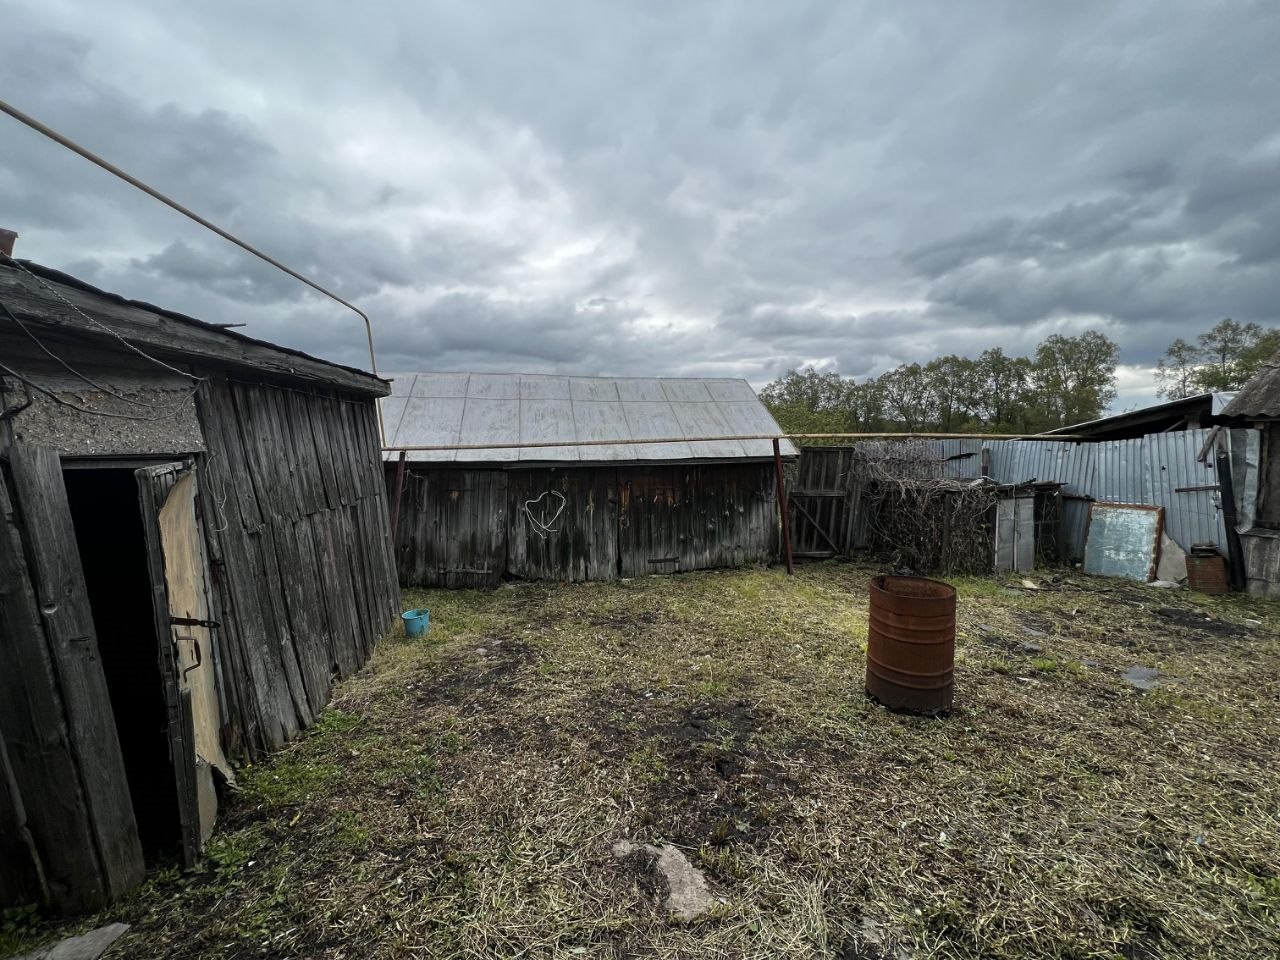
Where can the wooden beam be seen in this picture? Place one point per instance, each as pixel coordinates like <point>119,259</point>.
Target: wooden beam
<point>170,336</point>
<point>782,508</point>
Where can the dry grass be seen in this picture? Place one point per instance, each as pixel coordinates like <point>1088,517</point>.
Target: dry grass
<point>461,797</point>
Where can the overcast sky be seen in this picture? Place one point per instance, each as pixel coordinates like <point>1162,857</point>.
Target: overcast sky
<point>645,188</point>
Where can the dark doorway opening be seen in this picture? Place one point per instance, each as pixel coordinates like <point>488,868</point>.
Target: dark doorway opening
<point>109,534</point>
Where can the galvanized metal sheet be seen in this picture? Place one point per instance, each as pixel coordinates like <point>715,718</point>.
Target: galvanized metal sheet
<point>730,390</point>
<point>651,419</point>
<point>752,418</point>
<point>602,420</point>
<point>640,388</point>
<point>494,386</point>
<point>542,421</point>
<point>705,420</point>
<point>593,388</point>
<point>489,420</point>
<point>539,387</point>
<point>430,421</point>
<point>440,385</point>
<point>538,408</point>
<point>693,391</point>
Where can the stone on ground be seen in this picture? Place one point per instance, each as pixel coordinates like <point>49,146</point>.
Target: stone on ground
<point>687,894</point>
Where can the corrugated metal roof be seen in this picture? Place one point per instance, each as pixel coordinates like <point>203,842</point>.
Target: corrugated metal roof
<point>429,409</point>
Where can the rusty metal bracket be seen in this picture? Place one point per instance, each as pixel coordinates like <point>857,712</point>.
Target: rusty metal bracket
<point>199,658</point>
<point>194,622</point>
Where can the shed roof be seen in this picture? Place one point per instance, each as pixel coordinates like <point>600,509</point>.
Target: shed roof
<point>1198,410</point>
<point>55,300</point>
<point>437,409</point>
<point>1260,397</point>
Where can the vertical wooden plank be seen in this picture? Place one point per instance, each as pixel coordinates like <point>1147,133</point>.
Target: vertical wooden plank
<point>36,741</point>
<point>21,872</point>
<point>64,605</point>
<point>178,710</point>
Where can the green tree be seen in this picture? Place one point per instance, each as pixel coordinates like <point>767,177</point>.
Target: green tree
<point>806,401</point>
<point>910,399</point>
<point>1179,371</point>
<point>1224,348</point>
<point>1002,391</point>
<point>1074,377</point>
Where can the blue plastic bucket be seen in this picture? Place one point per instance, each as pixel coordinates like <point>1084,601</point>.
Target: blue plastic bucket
<point>416,622</point>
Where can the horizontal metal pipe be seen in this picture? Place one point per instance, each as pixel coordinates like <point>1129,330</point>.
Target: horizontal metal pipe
<point>534,444</point>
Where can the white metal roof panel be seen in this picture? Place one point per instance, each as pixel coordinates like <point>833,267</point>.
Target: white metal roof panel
<point>437,409</point>
<point>440,385</point>
<point>603,420</point>
<point>490,420</point>
<point>730,390</point>
<point>694,391</point>
<point>494,386</point>
<point>593,388</point>
<point>400,383</point>
<point>640,388</point>
<point>544,420</point>
<point>654,419</point>
<point>537,387</point>
<point>705,420</point>
<point>430,421</point>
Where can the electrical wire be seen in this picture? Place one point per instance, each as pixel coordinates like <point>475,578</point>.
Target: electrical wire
<point>32,385</point>
<point>111,168</point>
<point>98,323</point>
<point>66,366</point>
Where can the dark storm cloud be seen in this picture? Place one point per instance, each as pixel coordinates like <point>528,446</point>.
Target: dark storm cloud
<point>721,187</point>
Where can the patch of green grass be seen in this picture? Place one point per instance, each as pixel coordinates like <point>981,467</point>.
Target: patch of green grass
<point>287,781</point>
<point>335,721</point>
<point>1045,665</point>
<point>648,764</point>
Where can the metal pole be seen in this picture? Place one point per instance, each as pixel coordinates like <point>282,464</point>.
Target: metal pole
<point>783,509</point>
<point>395,506</point>
<point>133,181</point>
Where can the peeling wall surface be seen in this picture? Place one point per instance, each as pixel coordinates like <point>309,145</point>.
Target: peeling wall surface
<point>135,409</point>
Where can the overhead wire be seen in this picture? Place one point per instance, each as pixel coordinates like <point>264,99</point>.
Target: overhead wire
<point>98,323</point>
<point>172,412</point>
<point>133,181</point>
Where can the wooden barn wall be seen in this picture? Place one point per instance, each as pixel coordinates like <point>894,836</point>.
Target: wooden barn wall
<point>563,523</point>
<point>452,528</point>
<point>581,523</point>
<point>295,518</point>
<point>700,517</point>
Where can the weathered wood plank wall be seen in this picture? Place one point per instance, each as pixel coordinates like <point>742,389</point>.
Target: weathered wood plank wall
<point>452,528</point>
<point>581,523</point>
<point>563,524</point>
<point>295,517</point>
<point>68,777</point>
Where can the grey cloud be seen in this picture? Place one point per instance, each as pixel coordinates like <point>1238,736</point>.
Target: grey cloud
<point>638,188</point>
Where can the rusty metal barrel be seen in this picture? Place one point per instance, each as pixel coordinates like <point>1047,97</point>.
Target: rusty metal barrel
<point>911,644</point>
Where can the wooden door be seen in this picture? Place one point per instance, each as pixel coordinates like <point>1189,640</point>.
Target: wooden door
<point>185,630</point>
<point>64,755</point>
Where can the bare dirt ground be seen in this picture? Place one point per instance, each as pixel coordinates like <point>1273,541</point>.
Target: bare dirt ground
<point>463,796</point>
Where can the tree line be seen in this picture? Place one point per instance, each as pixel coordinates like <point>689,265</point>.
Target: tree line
<point>1067,380</point>
<point>1223,358</point>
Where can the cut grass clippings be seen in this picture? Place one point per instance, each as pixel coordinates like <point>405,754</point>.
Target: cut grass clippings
<point>461,796</point>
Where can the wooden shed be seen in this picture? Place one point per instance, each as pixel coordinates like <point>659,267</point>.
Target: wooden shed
<point>552,501</point>
<point>1257,405</point>
<point>193,548</point>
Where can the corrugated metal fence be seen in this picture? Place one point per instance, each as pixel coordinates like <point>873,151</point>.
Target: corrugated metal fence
<point>1159,469</point>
